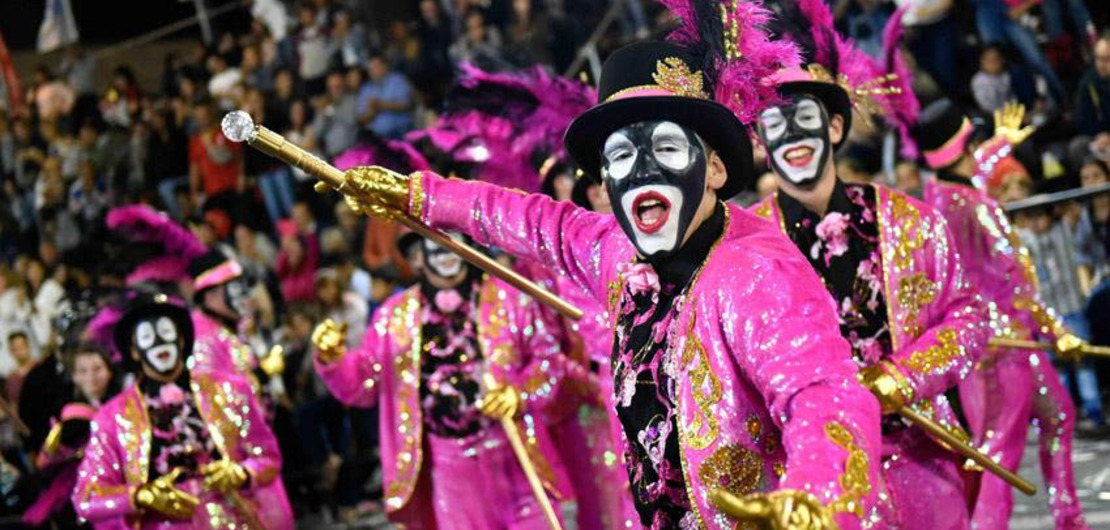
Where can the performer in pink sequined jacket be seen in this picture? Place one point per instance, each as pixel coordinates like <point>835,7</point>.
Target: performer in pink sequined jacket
<point>178,449</point>
<point>446,459</point>
<point>221,296</point>
<point>1010,387</point>
<point>733,386</point>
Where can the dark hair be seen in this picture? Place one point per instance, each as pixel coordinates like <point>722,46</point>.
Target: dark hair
<point>1095,161</point>
<point>91,348</point>
<point>14,334</point>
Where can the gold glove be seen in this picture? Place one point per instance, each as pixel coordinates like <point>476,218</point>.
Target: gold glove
<point>778,510</point>
<point>374,190</point>
<point>224,476</point>
<point>1007,123</point>
<point>274,362</point>
<point>1070,347</point>
<point>502,401</point>
<point>160,495</point>
<point>330,340</point>
<point>878,379</point>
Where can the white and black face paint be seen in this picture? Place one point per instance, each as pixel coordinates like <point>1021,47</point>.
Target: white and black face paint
<point>440,261</point>
<point>237,294</point>
<point>655,175</point>
<point>156,339</point>
<point>797,137</point>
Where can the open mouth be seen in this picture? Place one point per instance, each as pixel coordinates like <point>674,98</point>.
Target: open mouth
<point>650,211</point>
<point>799,156</point>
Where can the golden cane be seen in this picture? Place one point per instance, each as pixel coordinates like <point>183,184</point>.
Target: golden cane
<point>1006,342</point>
<point>238,127</point>
<point>967,451</point>
<point>513,434</point>
<point>237,500</point>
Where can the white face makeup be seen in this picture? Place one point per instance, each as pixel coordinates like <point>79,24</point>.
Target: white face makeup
<point>440,261</point>
<point>238,296</point>
<point>654,229</point>
<point>655,174</point>
<point>157,343</point>
<point>797,137</point>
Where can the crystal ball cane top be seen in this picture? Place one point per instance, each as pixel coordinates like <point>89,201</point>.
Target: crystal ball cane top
<point>238,126</point>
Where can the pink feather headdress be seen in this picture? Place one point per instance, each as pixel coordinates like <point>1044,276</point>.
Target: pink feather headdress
<point>738,49</point>
<point>142,225</point>
<point>394,154</point>
<point>875,87</point>
<point>505,124</point>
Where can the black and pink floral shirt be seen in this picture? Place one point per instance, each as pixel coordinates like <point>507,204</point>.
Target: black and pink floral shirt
<point>644,382</point>
<point>179,436</point>
<point>843,247</point>
<point>451,362</point>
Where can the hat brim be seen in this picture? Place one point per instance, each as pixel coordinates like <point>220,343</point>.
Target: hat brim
<point>406,240</point>
<point>717,125</point>
<point>834,98</point>
<point>179,315</point>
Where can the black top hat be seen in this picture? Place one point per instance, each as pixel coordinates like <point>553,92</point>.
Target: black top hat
<point>941,133</point>
<point>148,306</point>
<point>406,239</point>
<point>213,268</point>
<point>653,80</point>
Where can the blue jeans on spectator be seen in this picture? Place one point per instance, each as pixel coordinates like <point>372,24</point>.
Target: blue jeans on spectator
<point>1085,378</point>
<point>324,428</point>
<point>1054,11</point>
<point>934,47</point>
<point>996,27</point>
<point>277,192</point>
<point>167,190</point>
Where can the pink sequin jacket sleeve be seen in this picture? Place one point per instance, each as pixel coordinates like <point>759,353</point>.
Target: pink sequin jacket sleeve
<point>355,378</point>
<point>103,498</point>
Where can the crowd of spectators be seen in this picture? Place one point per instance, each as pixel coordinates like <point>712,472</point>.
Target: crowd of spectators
<point>325,74</point>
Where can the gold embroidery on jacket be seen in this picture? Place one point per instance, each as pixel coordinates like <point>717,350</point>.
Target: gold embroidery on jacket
<point>702,429</point>
<point>915,292</point>
<point>855,482</point>
<point>937,357</point>
<point>405,329</point>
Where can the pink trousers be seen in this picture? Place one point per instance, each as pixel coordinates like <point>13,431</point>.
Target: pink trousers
<point>477,484</point>
<point>926,485</point>
<point>999,403</point>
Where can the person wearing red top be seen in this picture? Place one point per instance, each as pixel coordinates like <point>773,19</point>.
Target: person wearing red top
<point>215,163</point>
<point>297,263</point>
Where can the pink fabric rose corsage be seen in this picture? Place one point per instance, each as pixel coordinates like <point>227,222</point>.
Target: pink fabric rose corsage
<point>171,394</point>
<point>833,232</point>
<point>448,300</point>
<point>640,278</point>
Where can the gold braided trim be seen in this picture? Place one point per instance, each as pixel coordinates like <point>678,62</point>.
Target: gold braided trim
<point>416,194</point>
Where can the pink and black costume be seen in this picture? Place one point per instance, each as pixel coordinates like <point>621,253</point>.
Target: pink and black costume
<point>154,427</point>
<point>446,464</point>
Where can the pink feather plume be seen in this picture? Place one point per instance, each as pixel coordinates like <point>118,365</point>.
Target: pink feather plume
<point>739,77</point>
<point>143,224</point>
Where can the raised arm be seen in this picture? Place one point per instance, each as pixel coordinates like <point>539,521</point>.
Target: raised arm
<point>802,366</point>
<point>568,240</point>
<point>951,341</point>
<point>353,376</point>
